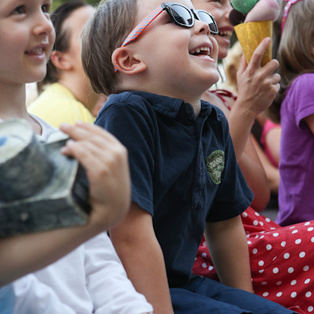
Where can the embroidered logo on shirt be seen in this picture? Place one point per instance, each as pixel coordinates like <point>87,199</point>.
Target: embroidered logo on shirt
<point>215,164</point>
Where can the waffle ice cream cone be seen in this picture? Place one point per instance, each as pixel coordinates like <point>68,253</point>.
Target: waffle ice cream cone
<point>250,34</point>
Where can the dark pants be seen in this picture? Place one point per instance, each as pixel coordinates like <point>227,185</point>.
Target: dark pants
<point>203,295</point>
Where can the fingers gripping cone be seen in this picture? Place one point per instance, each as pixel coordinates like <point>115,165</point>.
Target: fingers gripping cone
<point>250,34</point>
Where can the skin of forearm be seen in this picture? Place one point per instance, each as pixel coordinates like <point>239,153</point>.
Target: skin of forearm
<point>227,244</point>
<point>136,244</point>
<point>30,252</point>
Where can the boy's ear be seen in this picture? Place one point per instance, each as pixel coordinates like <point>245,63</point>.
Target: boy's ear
<point>126,62</point>
<point>60,60</point>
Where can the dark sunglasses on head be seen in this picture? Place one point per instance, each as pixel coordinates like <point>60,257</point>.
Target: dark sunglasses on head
<point>180,14</point>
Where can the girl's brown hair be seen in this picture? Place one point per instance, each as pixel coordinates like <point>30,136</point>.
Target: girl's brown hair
<point>105,32</point>
<point>296,49</point>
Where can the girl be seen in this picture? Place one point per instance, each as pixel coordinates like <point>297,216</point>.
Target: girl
<point>26,40</point>
<point>294,106</point>
<point>280,257</point>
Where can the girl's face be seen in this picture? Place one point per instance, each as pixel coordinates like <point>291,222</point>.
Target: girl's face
<point>26,40</point>
<point>220,9</point>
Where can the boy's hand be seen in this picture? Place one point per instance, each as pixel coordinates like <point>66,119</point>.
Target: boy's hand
<point>105,161</point>
<point>257,85</point>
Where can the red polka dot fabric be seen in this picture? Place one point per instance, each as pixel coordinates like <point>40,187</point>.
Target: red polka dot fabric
<point>281,258</point>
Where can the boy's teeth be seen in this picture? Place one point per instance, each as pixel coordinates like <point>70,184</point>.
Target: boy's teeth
<point>203,49</point>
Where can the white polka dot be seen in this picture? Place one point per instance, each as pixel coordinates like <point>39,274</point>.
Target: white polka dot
<point>307,281</point>
<point>255,222</point>
<point>286,255</point>
<point>312,240</point>
<point>249,242</point>
<point>278,283</point>
<point>308,294</point>
<point>244,214</point>
<point>261,263</point>
<point>290,270</point>
<point>310,309</point>
<point>254,251</point>
<point>307,223</point>
<point>264,283</point>
<point>204,265</point>
<point>273,228</point>
<point>268,247</point>
<point>265,294</point>
<point>276,270</point>
<point>283,243</point>
<point>211,267</point>
<point>302,254</point>
<point>261,223</point>
<point>261,271</point>
<point>262,237</point>
<point>275,234</point>
<point>310,229</point>
<point>204,254</point>
<point>293,294</point>
<point>293,282</point>
<point>279,294</point>
<point>306,268</point>
<point>267,219</point>
<point>294,231</point>
<point>298,241</point>
<point>292,227</point>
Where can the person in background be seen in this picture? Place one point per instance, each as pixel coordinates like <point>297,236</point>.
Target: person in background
<point>91,279</point>
<point>66,95</point>
<point>294,109</point>
<point>279,257</point>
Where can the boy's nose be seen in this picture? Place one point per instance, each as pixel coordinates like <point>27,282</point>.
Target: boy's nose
<point>201,27</point>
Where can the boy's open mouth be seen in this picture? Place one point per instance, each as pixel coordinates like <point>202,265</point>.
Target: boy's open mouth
<point>201,51</point>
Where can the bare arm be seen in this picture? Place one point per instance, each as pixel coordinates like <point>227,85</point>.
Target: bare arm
<point>310,122</point>
<point>136,244</point>
<point>273,141</point>
<point>227,245</point>
<point>272,173</point>
<point>105,160</point>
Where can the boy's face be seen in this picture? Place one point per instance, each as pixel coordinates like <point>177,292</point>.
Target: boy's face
<point>182,60</point>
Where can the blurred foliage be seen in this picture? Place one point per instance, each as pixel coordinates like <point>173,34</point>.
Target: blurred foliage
<point>56,3</point>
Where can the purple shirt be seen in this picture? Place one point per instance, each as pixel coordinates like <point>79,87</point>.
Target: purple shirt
<point>296,167</point>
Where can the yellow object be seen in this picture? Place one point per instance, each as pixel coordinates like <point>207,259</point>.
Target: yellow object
<point>251,34</point>
<point>57,105</point>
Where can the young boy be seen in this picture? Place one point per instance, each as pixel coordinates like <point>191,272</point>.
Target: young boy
<point>184,175</point>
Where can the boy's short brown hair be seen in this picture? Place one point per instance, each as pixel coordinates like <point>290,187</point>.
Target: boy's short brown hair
<point>105,32</point>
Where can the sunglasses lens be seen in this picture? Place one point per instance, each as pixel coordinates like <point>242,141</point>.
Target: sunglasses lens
<point>206,18</point>
<point>181,15</point>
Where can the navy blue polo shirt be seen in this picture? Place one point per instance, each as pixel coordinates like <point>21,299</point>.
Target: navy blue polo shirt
<point>183,170</point>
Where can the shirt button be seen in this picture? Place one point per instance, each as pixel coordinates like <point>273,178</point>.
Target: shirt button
<point>188,109</point>
<point>24,216</point>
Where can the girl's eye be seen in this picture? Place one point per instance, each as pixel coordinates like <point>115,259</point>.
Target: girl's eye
<point>46,8</point>
<point>19,10</point>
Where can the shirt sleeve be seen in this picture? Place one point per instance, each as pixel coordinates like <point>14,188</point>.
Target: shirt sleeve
<point>302,97</point>
<point>33,296</point>
<point>110,289</point>
<point>134,129</point>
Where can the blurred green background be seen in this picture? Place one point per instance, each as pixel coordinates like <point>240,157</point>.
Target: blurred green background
<point>56,3</point>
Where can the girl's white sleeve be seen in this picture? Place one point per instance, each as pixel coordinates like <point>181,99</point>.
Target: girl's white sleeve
<point>34,297</point>
<point>110,289</point>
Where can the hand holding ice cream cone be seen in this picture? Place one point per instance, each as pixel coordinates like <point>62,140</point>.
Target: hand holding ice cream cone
<point>253,21</point>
